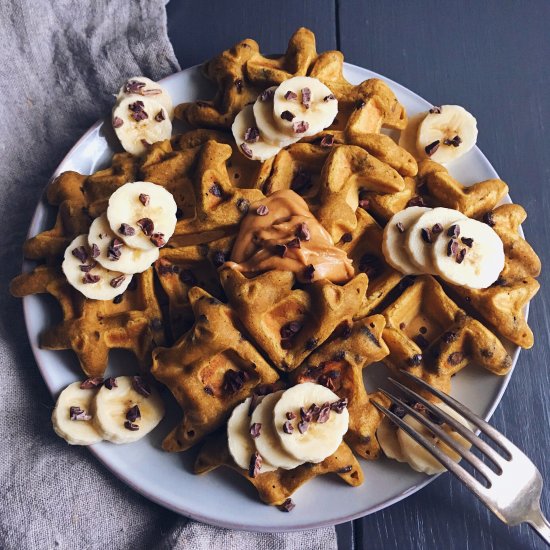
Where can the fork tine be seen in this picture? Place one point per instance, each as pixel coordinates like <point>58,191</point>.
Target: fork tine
<point>504,443</point>
<point>457,426</point>
<point>466,454</point>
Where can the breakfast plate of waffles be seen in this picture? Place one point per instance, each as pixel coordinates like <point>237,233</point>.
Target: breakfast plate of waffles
<point>222,274</point>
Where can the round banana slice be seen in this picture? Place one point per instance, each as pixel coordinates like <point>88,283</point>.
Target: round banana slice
<point>408,136</point>
<point>128,411</point>
<point>303,106</point>
<point>240,442</point>
<point>418,458</point>
<point>393,239</point>
<point>263,114</point>
<point>114,254</point>
<point>88,276</point>
<point>474,259</point>
<point>387,438</point>
<point>139,121</point>
<point>71,417</point>
<point>143,86</point>
<point>268,443</point>
<point>142,214</point>
<point>421,235</point>
<point>447,133</point>
<point>320,437</point>
<point>248,138</point>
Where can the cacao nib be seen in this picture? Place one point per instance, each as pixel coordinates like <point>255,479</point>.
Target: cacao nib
<point>262,210</point>
<point>329,97</point>
<point>111,383</point>
<point>90,279</point>
<point>294,243</point>
<point>416,201</point>
<point>91,383</point>
<point>302,232</point>
<point>290,95</point>
<point>117,122</point>
<point>303,425</point>
<point>455,358</point>
<point>146,225</point>
<point>300,127</point>
<point>306,97</point>
<point>287,505</point>
<point>133,413</point>
<point>233,381</point>
<point>139,385</point>
<point>157,239</point>
<point>267,94</point>
<point>243,205</point>
<point>437,228</point>
<point>327,141</point>
<point>117,281</point>
<point>255,430</point>
<point>255,464</point>
<point>247,151</point>
<point>80,253</point>
<point>460,255</point>
<point>400,227</point>
<point>287,115</point>
<point>467,241</point>
<point>159,117</point>
<point>454,231</point>
<point>339,406</point>
<point>426,235</point>
<point>288,428</point>
<point>131,426</point>
<point>432,148</point>
<point>252,135</point>
<point>436,110</point>
<point>94,253</point>
<point>76,413</point>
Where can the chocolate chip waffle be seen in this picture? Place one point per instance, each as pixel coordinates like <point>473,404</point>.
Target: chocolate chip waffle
<point>209,370</point>
<point>276,487</point>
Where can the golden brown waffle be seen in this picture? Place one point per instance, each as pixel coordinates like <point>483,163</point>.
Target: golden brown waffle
<point>431,337</point>
<point>209,370</point>
<point>93,327</point>
<point>338,364</point>
<point>276,487</point>
<point>288,323</point>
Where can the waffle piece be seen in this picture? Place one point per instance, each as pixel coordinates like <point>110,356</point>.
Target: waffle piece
<point>364,246</point>
<point>289,323</point>
<point>431,337</point>
<point>502,305</point>
<point>276,487</point>
<point>209,370</point>
<point>338,364</point>
<point>93,327</point>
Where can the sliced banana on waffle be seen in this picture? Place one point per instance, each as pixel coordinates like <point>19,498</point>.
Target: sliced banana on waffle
<point>303,106</point>
<point>113,253</point>
<point>88,276</point>
<point>446,133</point>
<point>263,115</point>
<point>72,417</point>
<point>142,214</point>
<point>143,86</point>
<point>315,437</point>
<point>127,411</point>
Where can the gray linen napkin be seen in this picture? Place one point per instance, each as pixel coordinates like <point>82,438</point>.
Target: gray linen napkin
<point>61,61</point>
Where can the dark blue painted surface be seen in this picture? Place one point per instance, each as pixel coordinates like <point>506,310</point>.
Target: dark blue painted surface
<point>493,58</point>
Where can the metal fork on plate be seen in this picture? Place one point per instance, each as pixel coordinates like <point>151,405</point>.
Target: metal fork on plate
<point>512,486</point>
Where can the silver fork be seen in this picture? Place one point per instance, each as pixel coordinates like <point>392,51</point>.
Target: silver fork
<point>512,487</point>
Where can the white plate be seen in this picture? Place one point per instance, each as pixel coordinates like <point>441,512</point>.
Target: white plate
<point>222,497</point>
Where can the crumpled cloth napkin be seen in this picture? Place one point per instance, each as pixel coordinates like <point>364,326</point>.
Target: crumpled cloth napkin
<point>62,60</point>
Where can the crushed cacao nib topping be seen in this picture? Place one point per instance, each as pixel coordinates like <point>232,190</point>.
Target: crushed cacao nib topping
<point>329,97</point>
<point>305,414</point>
<point>90,279</point>
<point>288,428</point>
<point>131,426</point>
<point>455,358</point>
<point>306,97</point>
<point>290,415</point>
<point>303,425</point>
<point>239,85</point>
<point>437,228</point>
<point>233,381</point>
<point>87,267</point>
<point>159,117</point>
<point>435,110</point>
<point>309,272</point>
<point>327,141</point>
<point>117,122</point>
<point>146,225</point>
<point>339,406</point>
<point>454,231</point>
<point>290,95</point>
<point>139,385</point>
<point>415,360</point>
<point>76,413</point>
<point>301,181</point>
<point>91,383</point>
<point>452,247</point>
<point>118,299</point>
<point>287,505</point>
<point>243,205</point>
<point>134,87</point>
<point>94,252</point>
<point>300,127</point>
<point>346,238</point>
<point>246,150</point>
<point>126,230</point>
<point>467,241</point>
<point>262,210</point>
<point>280,250</point>
<point>219,258</point>
<point>360,104</point>
<point>400,227</point>
<point>80,253</point>
<point>489,219</point>
<point>157,239</point>
<point>252,135</point>
<point>345,469</point>
<point>416,201</point>
<point>287,115</point>
<point>455,142</point>
<point>216,190</point>
<point>138,113</point>
<point>449,337</point>
<point>324,413</point>
<point>426,235</point>
<point>290,329</point>
<point>432,148</point>
<point>255,430</point>
<point>460,255</point>
<point>114,250</point>
<point>133,413</point>
<point>255,464</point>
<point>267,94</point>
<point>294,243</point>
<point>398,410</point>
<point>302,232</point>
<point>111,383</point>
<point>117,281</point>
<point>144,199</point>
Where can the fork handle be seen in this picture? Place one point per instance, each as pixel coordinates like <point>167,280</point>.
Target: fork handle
<point>540,525</point>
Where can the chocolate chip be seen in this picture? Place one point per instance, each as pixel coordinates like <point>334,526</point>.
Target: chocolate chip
<point>80,253</point>
<point>290,95</point>
<point>416,201</point>
<point>309,272</point>
<point>300,127</point>
<point>246,150</point>
<point>290,415</point>
<point>216,190</point>
<point>329,97</point>
<point>455,358</point>
<point>437,228</point>
<point>455,142</point>
<point>345,469</point>
<point>117,122</point>
<point>467,241</point>
<point>400,227</point>
<point>432,148</point>
<point>415,360</point>
<point>287,115</point>
<point>327,141</point>
<point>91,383</point>
<point>252,135</point>
<point>255,464</point>
<point>287,505</point>
<point>111,383</point>
<point>133,413</point>
<point>294,243</point>
<point>426,235</point>
<point>339,406</point>
<point>90,279</point>
<point>288,428</point>
<point>346,238</point>
<point>460,256</point>
<point>117,281</point>
<point>255,430</point>
<point>233,381</point>
<point>118,299</point>
<point>454,231</point>
<point>76,413</point>
<point>146,225</point>
<point>452,247</point>
<point>489,219</point>
<point>158,239</point>
<point>239,85</point>
<point>302,232</point>
<point>243,205</point>
<point>131,426</point>
<point>267,94</point>
<point>398,410</point>
<point>306,97</point>
<point>139,385</point>
<point>280,250</point>
<point>262,210</point>
<point>436,110</point>
<point>303,425</point>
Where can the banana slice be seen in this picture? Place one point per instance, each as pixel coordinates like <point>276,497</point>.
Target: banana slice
<point>126,413</point>
<point>143,86</point>
<point>418,458</point>
<point>248,139</point>
<point>474,259</point>
<point>303,106</point>
<point>139,121</point>
<point>71,417</point>
<point>447,133</point>
<point>240,442</point>
<point>321,437</point>
<point>393,239</point>
<point>387,438</point>
<point>268,443</point>
<point>424,231</point>
<point>89,277</point>
<point>111,254</point>
<point>142,214</point>
<point>408,137</point>
<point>263,114</point>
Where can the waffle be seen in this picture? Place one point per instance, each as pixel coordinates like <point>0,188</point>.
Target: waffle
<point>209,370</point>
<point>267,304</point>
<point>276,487</point>
<point>93,327</point>
<point>338,364</point>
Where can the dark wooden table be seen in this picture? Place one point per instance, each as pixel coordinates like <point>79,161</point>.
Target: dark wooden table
<point>493,58</point>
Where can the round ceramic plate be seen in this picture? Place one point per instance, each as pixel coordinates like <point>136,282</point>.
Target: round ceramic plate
<point>222,497</point>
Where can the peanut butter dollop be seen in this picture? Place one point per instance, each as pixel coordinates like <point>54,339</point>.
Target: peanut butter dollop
<point>280,233</point>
